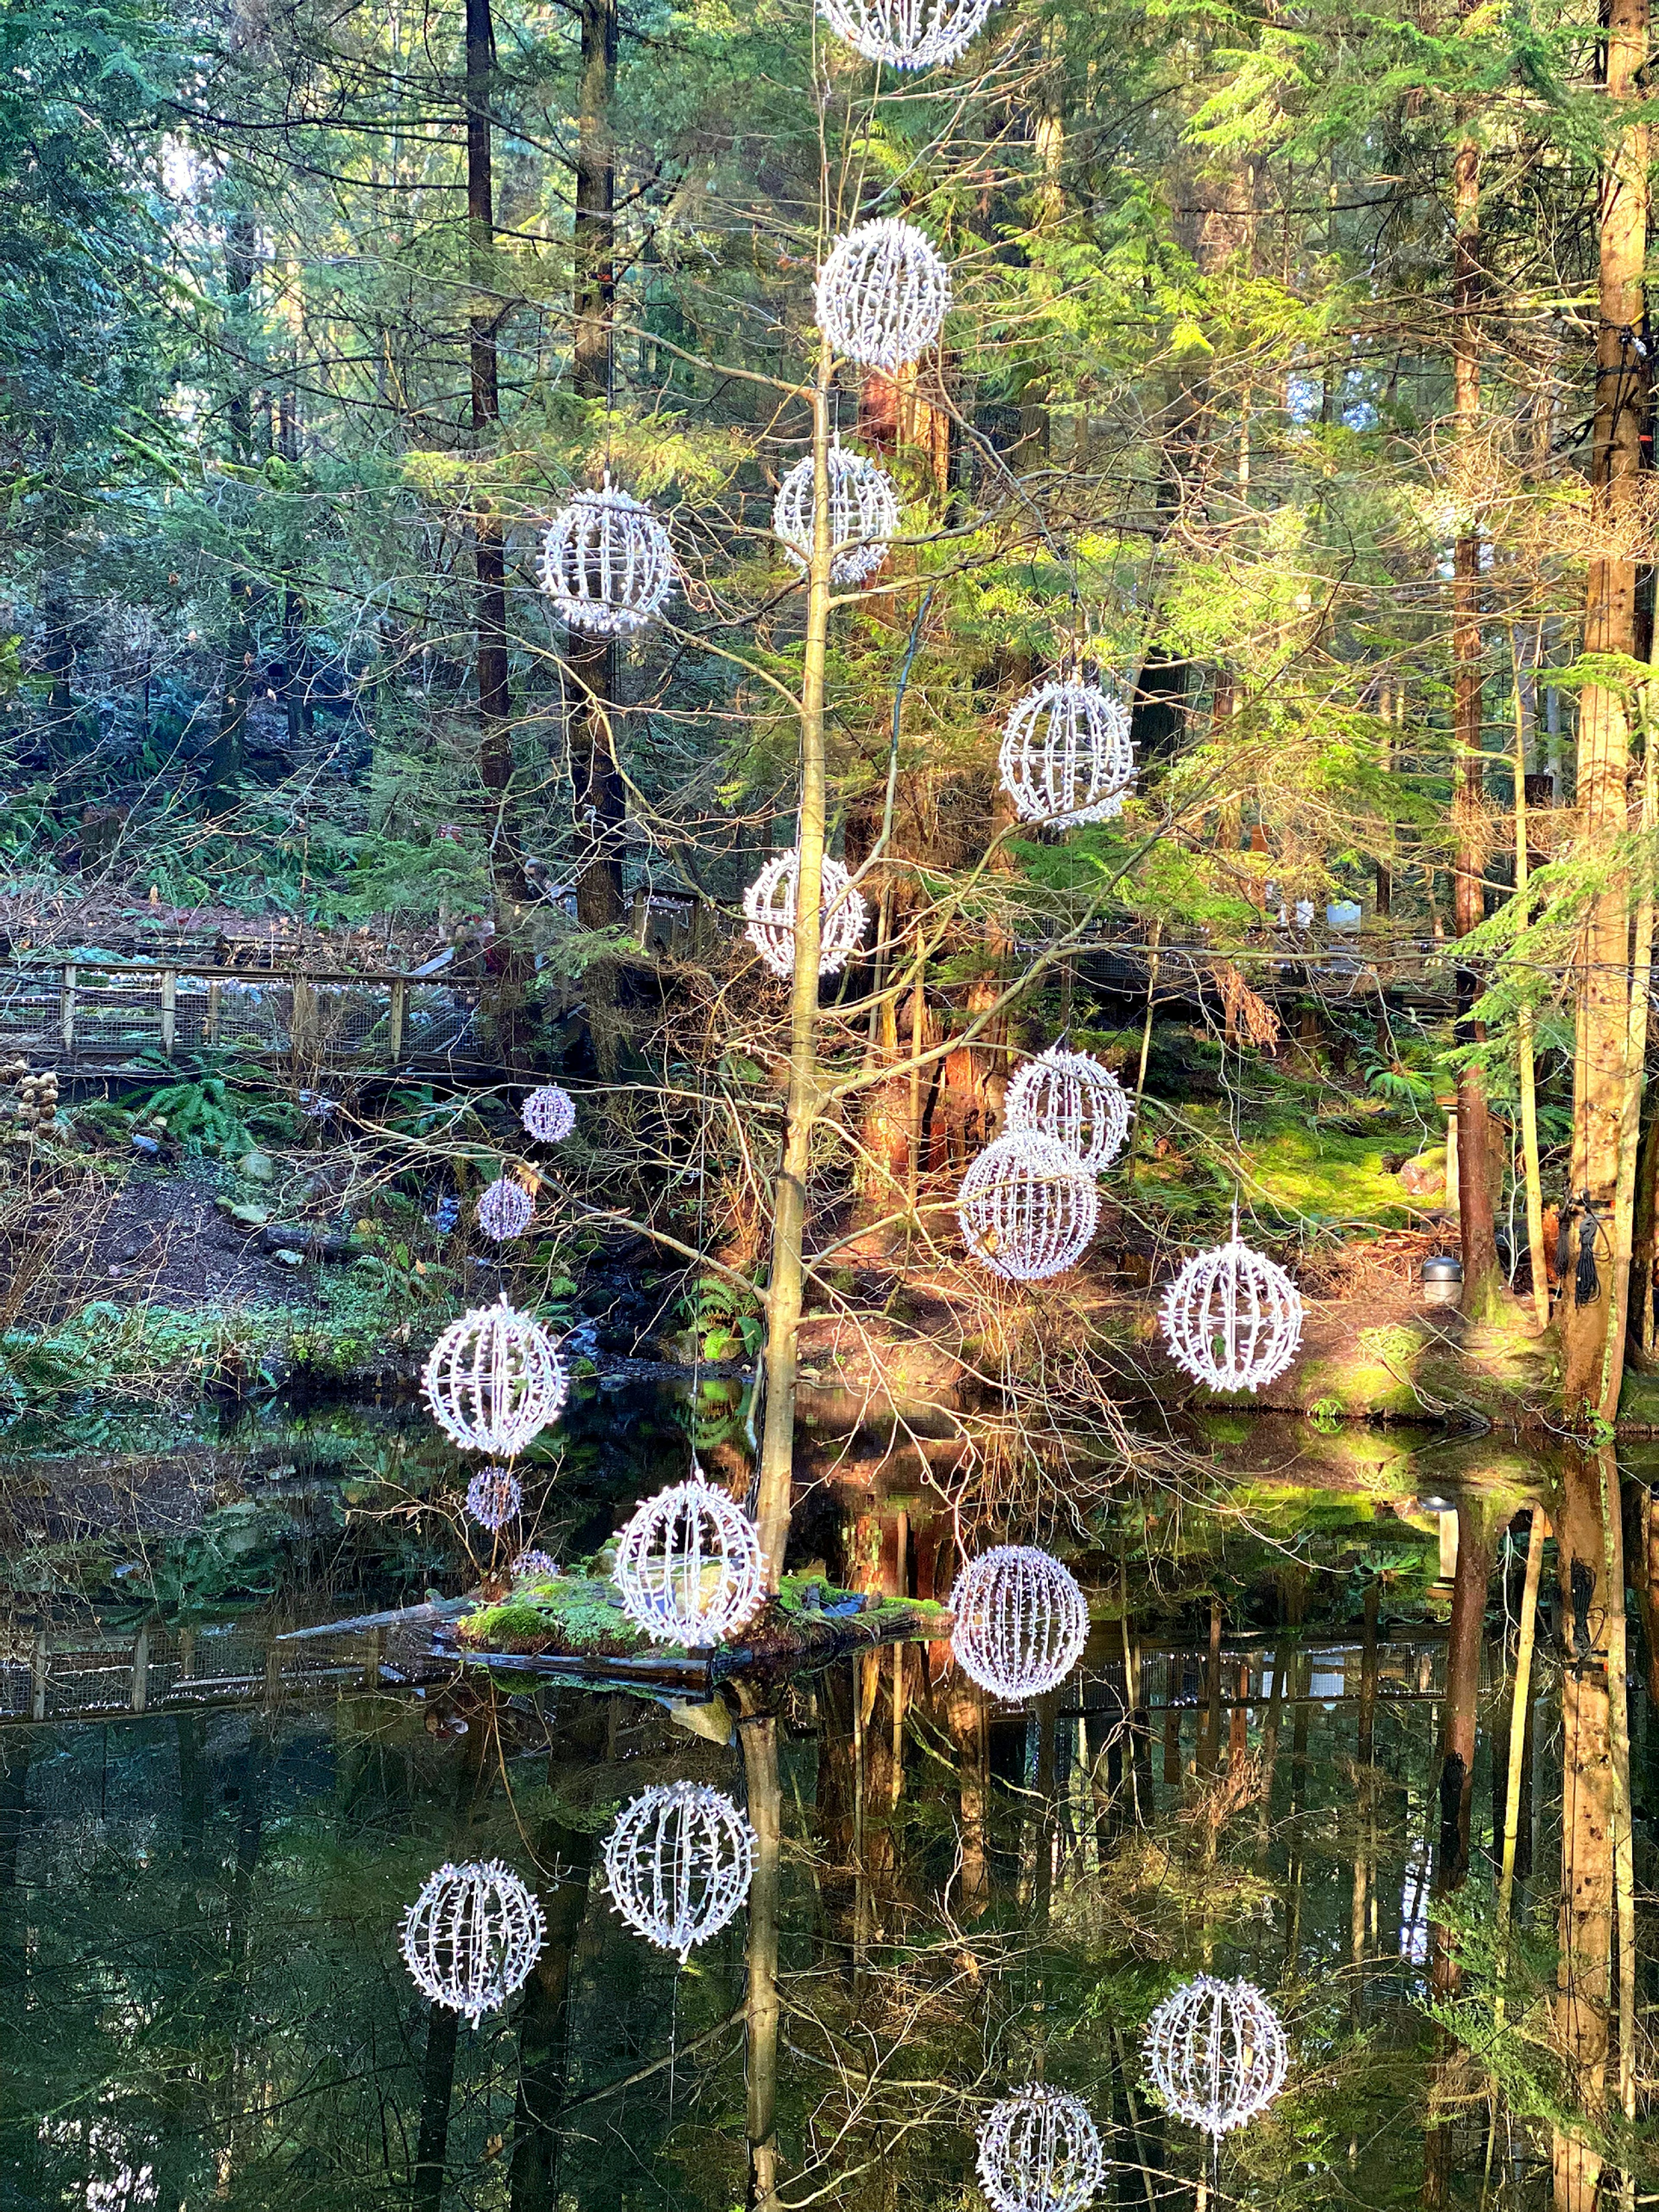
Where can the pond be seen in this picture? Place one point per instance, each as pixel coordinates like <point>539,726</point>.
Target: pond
<point>208,1837</point>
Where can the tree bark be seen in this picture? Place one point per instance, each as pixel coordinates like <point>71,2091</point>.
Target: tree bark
<point>786,1286</point>
<point>1602,1086</point>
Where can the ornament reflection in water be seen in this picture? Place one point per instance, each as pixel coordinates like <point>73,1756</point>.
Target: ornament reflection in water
<point>1216,2053</point>
<point>1039,2151</point>
<point>493,1496</point>
<point>1021,1621</point>
<point>678,1864</point>
<point>471,1937</point>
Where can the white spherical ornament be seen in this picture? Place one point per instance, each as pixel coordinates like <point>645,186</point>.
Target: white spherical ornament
<point>1039,2151</point>
<point>864,513</point>
<point>882,295</point>
<point>1070,1097</point>
<point>493,1380</point>
<point>769,904</point>
<point>689,1565</point>
<point>606,562</point>
<point>1066,754</point>
<point>549,1115</point>
<point>493,1496</point>
<point>505,1209</point>
<point>1028,1207</point>
<point>678,1864</point>
<point>1020,1622</point>
<point>1232,1317</point>
<point>533,1567</point>
<point>906,34</point>
<point>471,1937</point>
<point>1216,2053</point>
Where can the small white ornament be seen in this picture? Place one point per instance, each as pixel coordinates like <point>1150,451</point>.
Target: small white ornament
<point>864,513</point>
<point>1216,2053</point>
<point>883,294</point>
<point>606,562</point>
<point>906,34</point>
<point>1070,1097</point>
<point>678,1864</point>
<point>1028,1207</point>
<point>769,904</point>
<point>493,1380</point>
<point>493,1496</point>
<point>471,1937</point>
<point>1066,754</point>
<point>505,1209</point>
<point>533,1567</point>
<point>1232,1317</point>
<point>1039,2151</point>
<point>550,1115</point>
<point>1021,1621</point>
<point>689,1565</point>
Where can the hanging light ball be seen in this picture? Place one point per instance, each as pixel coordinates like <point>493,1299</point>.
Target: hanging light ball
<point>689,1565</point>
<point>1039,2151</point>
<point>1070,1097</point>
<point>864,513</point>
<point>493,1496</point>
<point>906,34</point>
<point>1066,754</point>
<point>493,1380</point>
<point>769,904</point>
<point>549,1115</point>
<point>1216,2053</point>
<point>534,1566</point>
<point>882,295</point>
<point>606,562</point>
<point>505,1209</point>
<point>678,1864</point>
<point>471,1937</point>
<point>1021,1621</point>
<point>1232,1317</point>
<point>1027,1207</point>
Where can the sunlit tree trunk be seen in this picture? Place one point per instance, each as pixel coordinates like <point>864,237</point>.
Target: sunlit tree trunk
<point>1602,1087</point>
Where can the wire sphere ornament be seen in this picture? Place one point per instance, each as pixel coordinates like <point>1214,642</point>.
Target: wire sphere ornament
<point>1070,1097</point>
<point>906,34</point>
<point>689,1565</point>
<point>1066,755</point>
<point>1039,2151</point>
<point>606,562</point>
<point>864,513</point>
<point>534,1566</point>
<point>678,1864</point>
<point>1232,1317</point>
<point>769,904</point>
<point>1021,1622</point>
<point>883,294</point>
<point>493,1381</point>
<point>549,1115</point>
<point>1027,1207</point>
<point>505,1209</point>
<point>493,1496</point>
<point>471,1937</point>
<point>1216,2053</point>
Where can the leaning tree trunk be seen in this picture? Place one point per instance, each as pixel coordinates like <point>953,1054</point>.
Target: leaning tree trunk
<point>1605,1083</point>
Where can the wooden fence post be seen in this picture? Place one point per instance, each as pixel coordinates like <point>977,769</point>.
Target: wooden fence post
<point>38,1670</point>
<point>169,1010</point>
<point>66,1005</point>
<point>141,1669</point>
<point>398,1015</point>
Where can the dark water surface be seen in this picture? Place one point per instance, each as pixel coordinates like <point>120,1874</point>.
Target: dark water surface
<point>202,1999</point>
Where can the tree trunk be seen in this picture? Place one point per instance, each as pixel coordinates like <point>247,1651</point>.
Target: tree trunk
<point>600,792</point>
<point>787,1277</point>
<point>1602,1084</point>
<point>760,1760</point>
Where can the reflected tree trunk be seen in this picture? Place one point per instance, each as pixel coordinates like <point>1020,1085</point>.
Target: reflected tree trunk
<point>437,2088</point>
<point>544,2025</point>
<point>760,1760</point>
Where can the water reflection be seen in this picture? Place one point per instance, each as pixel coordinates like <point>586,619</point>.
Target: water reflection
<point>1292,1752</point>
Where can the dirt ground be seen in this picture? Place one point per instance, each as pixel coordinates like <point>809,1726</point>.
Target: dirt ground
<point>162,1240</point>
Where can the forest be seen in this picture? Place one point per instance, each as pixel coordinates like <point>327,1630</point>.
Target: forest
<point>901,752</point>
